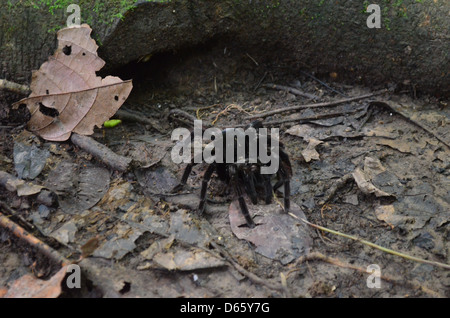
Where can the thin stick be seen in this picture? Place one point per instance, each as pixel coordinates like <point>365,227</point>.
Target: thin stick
<point>23,235</point>
<point>291,90</point>
<point>310,118</point>
<point>127,115</point>
<point>381,248</point>
<point>260,81</point>
<point>101,152</point>
<point>326,104</point>
<point>313,256</point>
<point>243,271</point>
<point>14,87</point>
<point>324,84</point>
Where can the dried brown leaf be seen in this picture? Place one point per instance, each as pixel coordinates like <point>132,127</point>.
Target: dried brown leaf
<point>29,286</point>
<point>67,96</point>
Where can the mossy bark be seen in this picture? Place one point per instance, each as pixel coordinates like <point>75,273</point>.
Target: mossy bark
<point>411,47</point>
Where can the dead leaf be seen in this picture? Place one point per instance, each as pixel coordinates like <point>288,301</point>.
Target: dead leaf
<point>373,167</point>
<point>78,188</point>
<point>277,235</point>
<point>157,247</point>
<point>90,246</point>
<point>67,96</point>
<point>29,286</point>
<point>3,291</point>
<point>366,186</point>
<point>66,233</point>
<point>310,153</point>
<point>187,260</point>
<point>385,213</point>
<point>13,184</point>
<point>399,145</point>
<point>29,160</point>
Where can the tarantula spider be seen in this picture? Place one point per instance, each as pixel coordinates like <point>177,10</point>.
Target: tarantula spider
<point>246,175</point>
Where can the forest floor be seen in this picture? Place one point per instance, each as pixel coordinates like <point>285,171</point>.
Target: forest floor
<point>152,244</point>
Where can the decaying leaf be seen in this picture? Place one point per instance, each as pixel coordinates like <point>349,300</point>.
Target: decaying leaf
<point>310,153</point>
<point>22,188</point>
<point>67,96</point>
<point>386,213</point>
<point>90,246</point>
<point>373,167</point>
<point>187,260</point>
<point>157,247</point>
<point>29,160</point>
<point>78,188</point>
<point>121,244</point>
<point>277,235</point>
<point>366,186</point>
<point>29,286</point>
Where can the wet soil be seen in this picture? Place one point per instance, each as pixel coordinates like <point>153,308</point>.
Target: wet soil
<point>223,84</point>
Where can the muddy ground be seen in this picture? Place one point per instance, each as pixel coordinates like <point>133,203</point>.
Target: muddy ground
<point>142,227</point>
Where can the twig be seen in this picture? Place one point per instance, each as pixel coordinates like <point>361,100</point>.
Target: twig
<point>292,90</point>
<point>254,61</point>
<point>222,251</point>
<point>13,214</point>
<point>182,113</point>
<point>260,81</point>
<point>325,104</point>
<point>309,118</point>
<point>225,110</point>
<point>132,116</point>
<point>14,87</point>
<point>197,111</point>
<point>381,248</point>
<point>340,183</point>
<point>324,84</point>
<point>316,256</point>
<point>23,235</point>
<point>386,105</point>
<point>243,271</point>
<point>101,152</point>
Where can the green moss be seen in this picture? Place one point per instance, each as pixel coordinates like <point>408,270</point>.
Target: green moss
<point>92,12</point>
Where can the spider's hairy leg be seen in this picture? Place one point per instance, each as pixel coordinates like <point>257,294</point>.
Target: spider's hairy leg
<point>187,172</point>
<point>268,189</point>
<point>206,178</point>
<point>238,189</point>
<point>250,186</point>
<point>287,194</point>
<point>287,170</point>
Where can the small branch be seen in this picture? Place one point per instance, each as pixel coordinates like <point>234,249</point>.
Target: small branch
<point>101,152</point>
<point>291,90</point>
<point>14,87</point>
<point>339,184</point>
<point>127,115</point>
<point>324,84</point>
<point>316,256</point>
<point>309,118</point>
<point>178,112</point>
<point>381,248</point>
<point>255,279</point>
<point>317,105</point>
<point>26,237</point>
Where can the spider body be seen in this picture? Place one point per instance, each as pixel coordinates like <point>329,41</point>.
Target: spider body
<point>245,172</point>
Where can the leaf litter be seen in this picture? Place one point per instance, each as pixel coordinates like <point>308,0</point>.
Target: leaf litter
<point>146,232</point>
